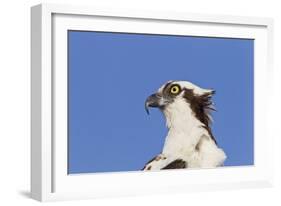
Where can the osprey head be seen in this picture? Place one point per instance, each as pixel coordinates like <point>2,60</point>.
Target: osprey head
<point>174,97</point>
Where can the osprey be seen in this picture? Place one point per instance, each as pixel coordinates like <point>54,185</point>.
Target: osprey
<point>189,142</point>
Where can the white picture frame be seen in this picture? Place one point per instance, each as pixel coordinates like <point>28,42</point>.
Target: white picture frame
<point>49,178</point>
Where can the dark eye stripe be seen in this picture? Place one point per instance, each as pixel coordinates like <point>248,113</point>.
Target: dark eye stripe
<point>167,85</point>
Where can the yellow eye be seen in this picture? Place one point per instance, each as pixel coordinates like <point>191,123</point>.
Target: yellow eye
<point>175,89</point>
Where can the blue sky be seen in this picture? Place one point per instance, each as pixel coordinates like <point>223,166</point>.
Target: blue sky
<point>111,75</point>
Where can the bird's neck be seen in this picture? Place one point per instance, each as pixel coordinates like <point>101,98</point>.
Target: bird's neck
<point>185,130</point>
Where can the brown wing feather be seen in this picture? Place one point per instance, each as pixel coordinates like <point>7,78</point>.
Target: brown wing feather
<point>177,164</point>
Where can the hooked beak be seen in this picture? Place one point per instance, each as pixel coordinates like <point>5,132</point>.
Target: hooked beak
<point>153,100</point>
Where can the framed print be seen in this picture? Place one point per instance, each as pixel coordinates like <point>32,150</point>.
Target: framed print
<point>138,102</point>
